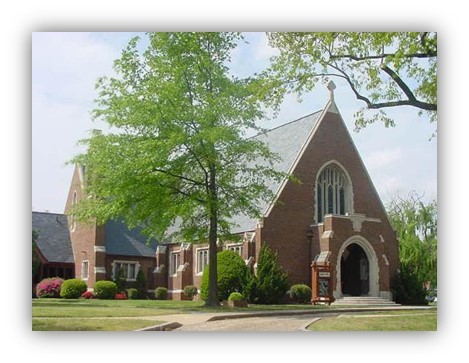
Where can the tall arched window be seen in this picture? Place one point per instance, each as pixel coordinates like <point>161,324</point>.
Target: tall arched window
<point>332,190</point>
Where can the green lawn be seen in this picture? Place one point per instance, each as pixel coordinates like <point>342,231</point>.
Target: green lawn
<point>75,324</point>
<point>379,321</point>
<point>95,314</point>
<point>80,314</point>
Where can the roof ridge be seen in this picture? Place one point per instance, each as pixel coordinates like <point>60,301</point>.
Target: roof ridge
<point>56,213</point>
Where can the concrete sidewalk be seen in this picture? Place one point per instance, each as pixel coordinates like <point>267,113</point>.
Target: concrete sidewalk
<point>175,321</point>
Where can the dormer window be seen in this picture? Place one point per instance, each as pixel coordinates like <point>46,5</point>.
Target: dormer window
<point>332,192</point>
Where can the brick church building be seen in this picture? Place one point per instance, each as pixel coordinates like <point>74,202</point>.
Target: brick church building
<point>333,215</point>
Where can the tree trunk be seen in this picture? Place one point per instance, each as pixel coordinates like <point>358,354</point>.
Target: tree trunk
<point>212,299</point>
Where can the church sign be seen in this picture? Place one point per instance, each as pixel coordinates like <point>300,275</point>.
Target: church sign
<point>322,283</point>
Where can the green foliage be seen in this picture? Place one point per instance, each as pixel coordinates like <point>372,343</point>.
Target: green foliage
<point>73,288</point>
<point>382,69</point>
<point>161,293</point>
<point>105,290</point>
<point>180,121</point>
<point>141,285</point>
<point>408,288</point>
<point>251,291</point>
<point>271,283</point>
<point>190,291</point>
<point>233,275</point>
<point>236,296</point>
<point>132,294</point>
<point>300,293</point>
<point>119,280</point>
<point>416,226</point>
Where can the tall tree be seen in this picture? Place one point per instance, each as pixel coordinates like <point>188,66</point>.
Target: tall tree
<point>416,227</point>
<point>178,157</point>
<point>382,69</point>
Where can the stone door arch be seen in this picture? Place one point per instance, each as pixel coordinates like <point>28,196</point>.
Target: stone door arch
<point>362,269</point>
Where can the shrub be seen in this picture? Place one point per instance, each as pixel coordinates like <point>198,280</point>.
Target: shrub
<point>132,294</point>
<point>271,284</point>
<point>120,280</point>
<point>73,288</point>
<point>88,295</point>
<point>106,290</point>
<point>120,296</point>
<point>161,293</point>
<point>236,296</point>
<point>233,275</point>
<point>141,285</point>
<point>300,293</point>
<point>407,288</point>
<point>190,291</point>
<point>49,287</point>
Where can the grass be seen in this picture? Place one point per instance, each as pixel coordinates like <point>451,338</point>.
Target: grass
<point>95,314</point>
<point>107,315</point>
<point>379,321</point>
<point>103,315</point>
<point>76,324</point>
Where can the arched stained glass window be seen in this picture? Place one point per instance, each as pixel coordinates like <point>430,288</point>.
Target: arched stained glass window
<point>331,189</point>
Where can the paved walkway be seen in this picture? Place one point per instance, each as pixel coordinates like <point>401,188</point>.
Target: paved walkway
<point>287,320</point>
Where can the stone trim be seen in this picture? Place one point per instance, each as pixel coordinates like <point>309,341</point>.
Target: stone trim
<point>372,262</point>
<point>99,248</point>
<point>99,270</point>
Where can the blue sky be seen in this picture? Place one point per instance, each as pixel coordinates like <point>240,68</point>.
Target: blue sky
<point>65,67</point>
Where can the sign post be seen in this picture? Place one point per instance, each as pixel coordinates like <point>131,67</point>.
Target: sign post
<point>322,281</point>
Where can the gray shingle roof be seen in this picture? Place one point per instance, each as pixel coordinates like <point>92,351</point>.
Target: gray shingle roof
<point>53,236</point>
<point>286,141</point>
<point>122,241</point>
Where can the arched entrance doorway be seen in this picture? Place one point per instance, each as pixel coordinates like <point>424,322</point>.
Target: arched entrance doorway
<point>354,271</point>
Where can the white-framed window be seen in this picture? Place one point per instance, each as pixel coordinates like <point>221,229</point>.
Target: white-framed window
<point>202,259</point>
<point>129,269</point>
<point>236,248</point>
<point>174,259</point>
<point>85,269</point>
<point>331,192</point>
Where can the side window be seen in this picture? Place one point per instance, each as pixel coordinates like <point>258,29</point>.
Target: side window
<point>202,259</point>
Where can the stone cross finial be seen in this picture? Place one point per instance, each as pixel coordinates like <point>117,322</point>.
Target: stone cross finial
<point>331,87</point>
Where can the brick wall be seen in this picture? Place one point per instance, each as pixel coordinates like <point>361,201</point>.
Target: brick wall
<point>286,228</point>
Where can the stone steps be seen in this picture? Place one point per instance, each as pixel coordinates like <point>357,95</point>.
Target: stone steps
<point>363,300</point>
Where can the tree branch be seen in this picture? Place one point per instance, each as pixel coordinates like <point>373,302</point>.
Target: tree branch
<point>412,101</point>
<point>195,182</point>
<point>182,192</point>
<point>429,54</point>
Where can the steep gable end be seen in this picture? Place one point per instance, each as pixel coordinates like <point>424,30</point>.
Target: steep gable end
<point>53,236</point>
<point>287,141</point>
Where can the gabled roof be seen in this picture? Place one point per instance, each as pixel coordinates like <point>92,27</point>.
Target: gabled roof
<point>123,241</point>
<point>53,236</point>
<point>287,141</point>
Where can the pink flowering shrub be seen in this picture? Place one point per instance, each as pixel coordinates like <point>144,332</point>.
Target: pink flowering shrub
<point>121,296</point>
<point>49,287</point>
<point>88,295</point>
